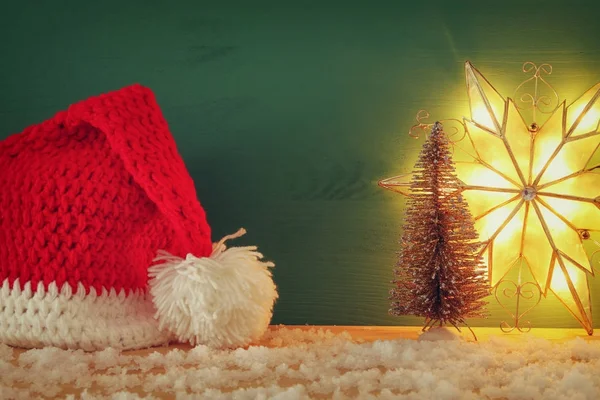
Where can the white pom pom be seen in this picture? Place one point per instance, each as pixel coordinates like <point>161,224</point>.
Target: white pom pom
<point>225,300</point>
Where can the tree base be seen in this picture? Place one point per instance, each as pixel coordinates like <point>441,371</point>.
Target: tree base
<point>440,333</point>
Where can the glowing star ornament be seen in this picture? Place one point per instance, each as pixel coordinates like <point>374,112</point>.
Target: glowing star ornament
<point>533,189</point>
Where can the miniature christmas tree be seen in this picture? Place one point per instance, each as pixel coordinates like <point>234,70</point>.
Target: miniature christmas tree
<point>440,275</point>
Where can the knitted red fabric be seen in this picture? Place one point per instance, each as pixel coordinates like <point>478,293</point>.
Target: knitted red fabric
<point>89,196</point>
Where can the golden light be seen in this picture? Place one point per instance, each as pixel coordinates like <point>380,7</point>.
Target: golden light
<point>532,189</point>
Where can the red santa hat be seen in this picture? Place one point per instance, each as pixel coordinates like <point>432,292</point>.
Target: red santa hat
<point>103,242</point>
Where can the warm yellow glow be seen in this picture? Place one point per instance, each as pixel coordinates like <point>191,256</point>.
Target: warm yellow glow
<point>536,248</point>
<point>475,174</point>
<point>490,149</point>
<point>482,116</point>
<point>565,239</point>
<point>581,214</point>
<point>576,300</point>
<point>532,189</point>
<point>545,142</point>
<point>588,121</point>
<point>519,140</point>
<point>543,170</point>
<point>480,205</point>
<point>557,169</point>
<point>559,281</point>
<point>506,250</point>
<point>585,185</point>
<point>489,224</point>
<point>573,156</point>
<point>487,106</point>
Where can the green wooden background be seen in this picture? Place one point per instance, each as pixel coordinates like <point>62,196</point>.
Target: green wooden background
<point>287,113</point>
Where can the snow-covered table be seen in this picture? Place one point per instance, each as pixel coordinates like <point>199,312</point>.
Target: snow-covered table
<point>322,362</point>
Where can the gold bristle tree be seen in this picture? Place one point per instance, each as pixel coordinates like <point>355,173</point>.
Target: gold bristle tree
<point>439,275</point>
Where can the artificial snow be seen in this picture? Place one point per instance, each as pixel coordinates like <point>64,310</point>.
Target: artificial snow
<point>305,364</point>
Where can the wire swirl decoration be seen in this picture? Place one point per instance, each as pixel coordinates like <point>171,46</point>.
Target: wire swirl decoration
<point>454,133</point>
<point>521,291</point>
<point>545,104</point>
